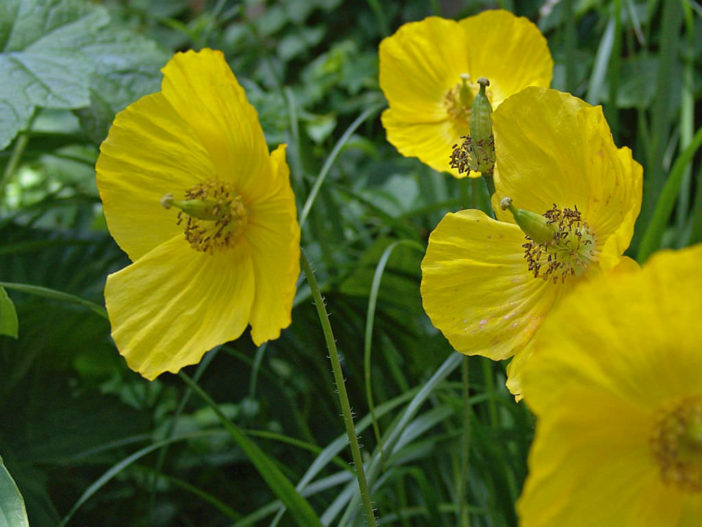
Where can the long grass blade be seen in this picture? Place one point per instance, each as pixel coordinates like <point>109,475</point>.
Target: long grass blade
<point>299,508</point>
<point>653,235</point>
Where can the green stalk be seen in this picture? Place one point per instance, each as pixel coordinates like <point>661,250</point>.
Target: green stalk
<point>340,386</point>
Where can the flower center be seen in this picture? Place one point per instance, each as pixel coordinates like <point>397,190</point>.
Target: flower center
<point>676,443</point>
<point>213,215</point>
<point>458,101</point>
<point>568,251</point>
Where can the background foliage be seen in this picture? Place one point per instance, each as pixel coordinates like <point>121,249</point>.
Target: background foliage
<point>90,443</point>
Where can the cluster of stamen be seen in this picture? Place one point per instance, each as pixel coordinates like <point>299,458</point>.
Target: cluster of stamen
<point>569,253</point>
<point>227,217</point>
<point>462,155</point>
<point>676,443</point>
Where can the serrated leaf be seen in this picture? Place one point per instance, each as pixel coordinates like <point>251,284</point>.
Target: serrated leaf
<point>42,62</point>
<point>12,510</point>
<point>8,315</point>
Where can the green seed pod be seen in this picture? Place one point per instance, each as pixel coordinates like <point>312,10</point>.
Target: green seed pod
<point>203,209</point>
<point>481,116</point>
<point>483,144</point>
<point>534,225</point>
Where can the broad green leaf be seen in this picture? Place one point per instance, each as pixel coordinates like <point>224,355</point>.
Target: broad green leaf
<point>12,511</point>
<point>8,315</point>
<point>62,54</point>
<point>127,66</point>
<point>42,63</point>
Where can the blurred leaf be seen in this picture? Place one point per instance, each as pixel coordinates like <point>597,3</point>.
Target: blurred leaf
<point>319,127</point>
<point>12,512</point>
<point>299,41</point>
<point>8,315</point>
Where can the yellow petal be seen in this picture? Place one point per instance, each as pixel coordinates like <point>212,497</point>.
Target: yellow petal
<point>204,91</point>
<point>554,148</point>
<point>430,142</point>
<point>510,51</point>
<point>476,287</point>
<point>589,464</point>
<point>515,369</point>
<point>691,512</point>
<point>273,235</point>
<point>149,151</point>
<point>418,65</point>
<point>604,364</point>
<point>174,304</point>
<point>635,335</point>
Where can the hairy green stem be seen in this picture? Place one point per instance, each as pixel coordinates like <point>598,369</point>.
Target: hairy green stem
<point>340,386</point>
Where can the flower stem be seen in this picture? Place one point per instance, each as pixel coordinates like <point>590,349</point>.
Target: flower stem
<point>341,387</point>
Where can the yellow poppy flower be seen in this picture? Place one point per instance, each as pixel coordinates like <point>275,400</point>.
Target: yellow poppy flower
<point>485,284</point>
<point>615,385</point>
<point>429,72</point>
<point>206,214</point>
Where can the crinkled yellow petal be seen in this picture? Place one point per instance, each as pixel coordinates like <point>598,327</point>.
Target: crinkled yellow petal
<point>273,236</point>
<point>173,304</point>
<point>510,51</point>
<point>431,142</point>
<point>554,148</point>
<point>149,151</point>
<point>419,65</point>
<point>590,465</point>
<point>515,368</point>
<point>204,91</point>
<point>476,287</point>
<point>635,335</point>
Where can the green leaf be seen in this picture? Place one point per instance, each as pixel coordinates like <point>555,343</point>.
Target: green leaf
<point>42,63</point>
<point>127,66</point>
<point>302,512</point>
<point>62,54</point>
<point>12,511</point>
<point>8,315</point>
